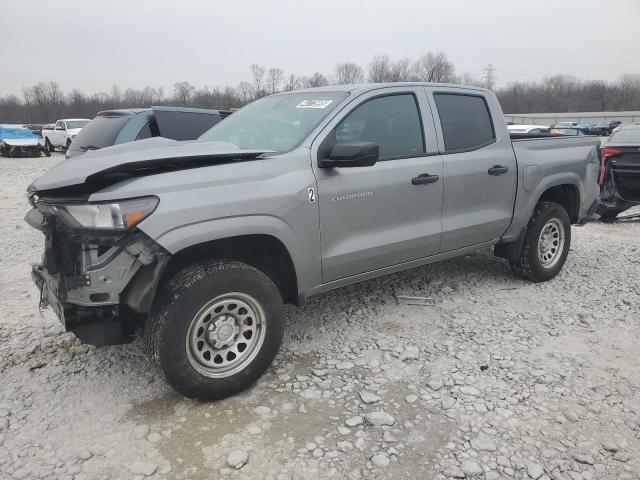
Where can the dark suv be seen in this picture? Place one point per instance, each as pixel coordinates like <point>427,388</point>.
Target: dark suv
<point>112,127</point>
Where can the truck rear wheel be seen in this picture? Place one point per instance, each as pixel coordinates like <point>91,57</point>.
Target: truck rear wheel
<point>546,243</point>
<point>215,328</point>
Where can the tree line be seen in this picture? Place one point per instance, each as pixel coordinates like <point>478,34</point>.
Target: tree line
<point>45,102</point>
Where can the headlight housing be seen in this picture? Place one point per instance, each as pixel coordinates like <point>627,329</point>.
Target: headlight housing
<point>120,215</point>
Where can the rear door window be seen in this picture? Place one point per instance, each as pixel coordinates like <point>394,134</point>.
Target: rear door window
<point>393,122</point>
<point>185,125</point>
<point>466,121</point>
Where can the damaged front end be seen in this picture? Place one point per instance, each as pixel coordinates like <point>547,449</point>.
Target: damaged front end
<point>98,273</point>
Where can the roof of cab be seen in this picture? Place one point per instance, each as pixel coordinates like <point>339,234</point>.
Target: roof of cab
<point>365,87</point>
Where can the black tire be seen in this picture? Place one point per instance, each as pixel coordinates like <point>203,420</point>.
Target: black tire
<point>46,152</point>
<point>68,144</point>
<point>47,145</point>
<point>180,303</point>
<point>530,265</point>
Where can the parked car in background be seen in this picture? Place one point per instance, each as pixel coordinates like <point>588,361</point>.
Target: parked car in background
<point>298,193</point>
<point>528,129</point>
<point>561,131</point>
<point>600,130</point>
<point>21,141</point>
<point>620,172</point>
<point>567,124</point>
<point>63,133</point>
<point>113,127</point>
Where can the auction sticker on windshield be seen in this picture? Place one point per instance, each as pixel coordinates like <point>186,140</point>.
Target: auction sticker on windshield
<point>314,103</point>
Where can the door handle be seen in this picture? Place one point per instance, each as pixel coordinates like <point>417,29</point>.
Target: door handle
<point>424,179</point>
<point>498,170</point>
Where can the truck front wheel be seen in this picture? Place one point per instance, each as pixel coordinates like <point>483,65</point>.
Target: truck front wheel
<point>215,328</point>
<point>546,243</point>
<point>49,146</point>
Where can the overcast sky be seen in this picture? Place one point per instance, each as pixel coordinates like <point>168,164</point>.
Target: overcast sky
<point>91,45</point>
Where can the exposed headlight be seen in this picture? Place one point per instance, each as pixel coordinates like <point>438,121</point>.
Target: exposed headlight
<point>120,215</point>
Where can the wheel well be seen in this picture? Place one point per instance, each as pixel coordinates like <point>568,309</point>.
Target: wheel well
<point>264,252</point>
<point>565,195</point>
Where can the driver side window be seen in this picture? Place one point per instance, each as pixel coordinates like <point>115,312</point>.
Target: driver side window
<point>393,122</point>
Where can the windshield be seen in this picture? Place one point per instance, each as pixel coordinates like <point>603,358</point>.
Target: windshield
<point>626,136</point>
<point>278,122</point>
<point>76,124</point>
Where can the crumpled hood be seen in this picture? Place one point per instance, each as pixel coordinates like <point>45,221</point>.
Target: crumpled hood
<point>144,157</point>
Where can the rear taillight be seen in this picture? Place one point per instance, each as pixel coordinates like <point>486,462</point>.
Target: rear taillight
<point>605,153</point>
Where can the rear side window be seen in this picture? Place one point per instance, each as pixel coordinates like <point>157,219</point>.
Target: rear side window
<point>393,122</point>
<point>466,121</point>
<point>100,132</point>
<point>185,125</point>
<point>148,131</point>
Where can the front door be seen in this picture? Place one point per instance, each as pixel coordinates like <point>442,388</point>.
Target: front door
<point>386,214</point>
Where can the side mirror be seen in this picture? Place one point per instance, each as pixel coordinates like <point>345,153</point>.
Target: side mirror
<point>351,154</point>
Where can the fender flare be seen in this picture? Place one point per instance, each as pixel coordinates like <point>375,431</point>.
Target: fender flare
<point>185,236</point>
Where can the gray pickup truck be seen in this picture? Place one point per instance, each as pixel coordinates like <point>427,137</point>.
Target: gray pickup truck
<point>199,244</point>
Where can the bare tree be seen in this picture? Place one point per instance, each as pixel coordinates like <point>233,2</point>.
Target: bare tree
<point>400,71</point>
<point>434,67</point>
<point>274,78</point>
<point>292,83</point>
<point>347,73</point>
<point>182,92</point>
<point>245,90</point>
<point>379,69</point>
<point>257,74</point>
<point>628,91</point>
<point>116,94</point>
<point>315,80</point>
<point>467,79</point>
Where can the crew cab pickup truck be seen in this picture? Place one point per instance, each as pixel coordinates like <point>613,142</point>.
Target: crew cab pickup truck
<point>63,133</point>
<point>199,244</point>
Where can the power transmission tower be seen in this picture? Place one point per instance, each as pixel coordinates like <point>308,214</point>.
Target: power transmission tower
<point>489,76</point>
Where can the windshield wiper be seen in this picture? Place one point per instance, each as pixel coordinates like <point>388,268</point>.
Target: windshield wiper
<point>89,147</point>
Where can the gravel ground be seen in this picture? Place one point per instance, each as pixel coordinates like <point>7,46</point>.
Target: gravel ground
<point>500,378</point>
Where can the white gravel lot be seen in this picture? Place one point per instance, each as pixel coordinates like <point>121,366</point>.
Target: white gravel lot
<point>500,378</point>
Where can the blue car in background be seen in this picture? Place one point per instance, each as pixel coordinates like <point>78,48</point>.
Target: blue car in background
<point>20,141</point>
<point>113,127</point>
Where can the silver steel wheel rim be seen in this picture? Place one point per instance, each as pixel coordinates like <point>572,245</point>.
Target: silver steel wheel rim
<point>551,243</point>
<point>226,335</point>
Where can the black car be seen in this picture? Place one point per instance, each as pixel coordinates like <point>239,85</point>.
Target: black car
<point>620,172</point>
<point>112,127</point>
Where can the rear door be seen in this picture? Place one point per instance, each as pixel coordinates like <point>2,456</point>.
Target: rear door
<point>479,167</point>
<point>375,217</point>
